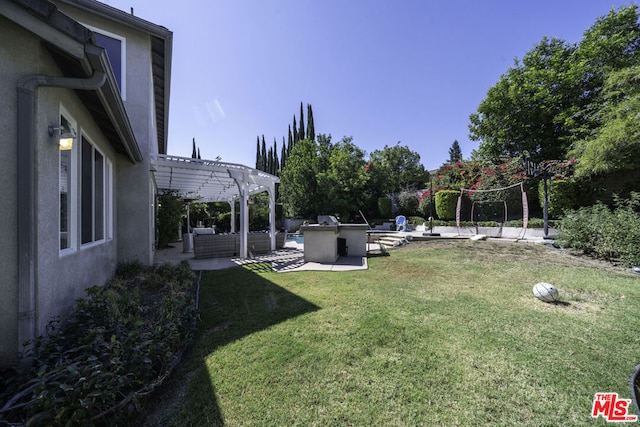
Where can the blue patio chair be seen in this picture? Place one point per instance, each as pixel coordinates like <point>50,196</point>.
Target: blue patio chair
<point>401,223</point>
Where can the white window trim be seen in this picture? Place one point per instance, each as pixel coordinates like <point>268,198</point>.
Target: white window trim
<point>107,204</point>
<point>123,53</point>
<point>72,232</point>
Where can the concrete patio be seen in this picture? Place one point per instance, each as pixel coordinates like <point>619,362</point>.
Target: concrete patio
<point>288,259</point>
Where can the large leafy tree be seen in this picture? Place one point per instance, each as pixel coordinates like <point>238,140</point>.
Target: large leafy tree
<point>396,168</point>
<point>298,184</point>
<point>324,177</point>
<point>554,97</point>
<point>615,145</point>
<point>526,109</point>
<point>341,185</point>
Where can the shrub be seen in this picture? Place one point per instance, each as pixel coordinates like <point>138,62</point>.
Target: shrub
<point>562,196</point>
<point>446,202</point>
<point>605,233</point>
<point>408,202</point>
<point>117,346</point>
<point>415,221</point>
<point>384,207</point>
<point>170,212</point>
<point>426,209</point>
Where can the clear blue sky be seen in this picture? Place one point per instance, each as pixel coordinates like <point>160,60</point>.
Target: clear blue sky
<point>380,71</point>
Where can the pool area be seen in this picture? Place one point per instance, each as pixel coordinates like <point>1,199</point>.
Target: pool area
<point>297,238</point>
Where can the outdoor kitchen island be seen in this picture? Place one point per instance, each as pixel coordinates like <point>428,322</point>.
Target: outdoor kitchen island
<point>328,240</point>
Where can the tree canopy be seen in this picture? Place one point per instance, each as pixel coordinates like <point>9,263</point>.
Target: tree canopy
<point>557,100</point>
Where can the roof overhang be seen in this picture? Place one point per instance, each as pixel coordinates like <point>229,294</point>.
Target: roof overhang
<point>161,57</point>
<point>207,180</point>
<point>73,49</point>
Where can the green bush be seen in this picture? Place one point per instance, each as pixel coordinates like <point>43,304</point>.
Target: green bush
<point>562,196</point>
<point>605,233</point>
<point>408,202</point>
<point>170,213</point>
<point>384,207</point>
<point>426,209</point>
<point>119,343</point>
<point>415,221</point>
<point>446,202</point>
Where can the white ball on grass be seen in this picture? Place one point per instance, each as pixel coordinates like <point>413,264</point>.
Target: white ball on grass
<point>545,292</point>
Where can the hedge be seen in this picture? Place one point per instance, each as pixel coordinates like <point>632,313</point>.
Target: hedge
<point>446,202</point>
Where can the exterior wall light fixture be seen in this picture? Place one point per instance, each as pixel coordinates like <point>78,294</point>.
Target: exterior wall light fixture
<point>64,136</point>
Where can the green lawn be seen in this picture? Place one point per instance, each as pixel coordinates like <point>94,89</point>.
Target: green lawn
<point>436,333</point>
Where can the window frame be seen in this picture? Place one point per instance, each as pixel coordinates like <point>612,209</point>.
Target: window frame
<point>101,210</point>
<point>72,191</point>
<point>123,55</point>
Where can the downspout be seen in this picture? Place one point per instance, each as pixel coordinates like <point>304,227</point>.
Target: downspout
<point>27,87</point>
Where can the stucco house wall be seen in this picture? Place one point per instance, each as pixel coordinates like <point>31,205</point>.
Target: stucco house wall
<point>135,202</point>
<point>61,276</point>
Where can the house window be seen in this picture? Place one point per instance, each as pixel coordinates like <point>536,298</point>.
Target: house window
<point>66,193</point>
<point>116,50</point>
<point>96,194</point>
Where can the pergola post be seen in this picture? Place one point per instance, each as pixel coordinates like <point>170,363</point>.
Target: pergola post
<point>272,216</point>
<point>244,220</point>
<point>233,215</point>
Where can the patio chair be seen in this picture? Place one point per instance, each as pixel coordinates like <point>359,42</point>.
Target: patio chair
<point>401,223</point>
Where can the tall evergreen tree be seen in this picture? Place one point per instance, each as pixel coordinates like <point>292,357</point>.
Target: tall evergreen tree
<point>258,157</point>
<point>194,154</point>
<point>289,142</point>
<point>199,154</point>
<point>311,131</point>
<point>283,154</point>
<point>301,133</point>
<point>263,163</point>
<point>455,153</point>
<point>276,162</point>
<point>296,135</point>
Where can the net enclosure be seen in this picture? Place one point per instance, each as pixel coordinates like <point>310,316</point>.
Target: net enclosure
<point>494,205</point>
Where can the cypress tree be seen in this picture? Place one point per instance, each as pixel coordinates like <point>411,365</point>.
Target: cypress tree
<point>258,153</point>
<point>302,134</point>
<point>263,163</point>
<point>199,154</point>
<point>276,163</point>
<point>296,135</point>
<point>290,142</point>
<point>283,155</point>
<point>193,152</point>
<point>311,131</point>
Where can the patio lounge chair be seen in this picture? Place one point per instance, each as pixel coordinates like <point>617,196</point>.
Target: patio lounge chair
<point>401,223</point>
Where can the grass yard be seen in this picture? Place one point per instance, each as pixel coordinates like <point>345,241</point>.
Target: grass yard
<point>436,333</point>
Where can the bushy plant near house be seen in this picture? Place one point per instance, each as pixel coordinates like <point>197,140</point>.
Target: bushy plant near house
<point>117,346</point>
<point>446,202</point>
<point>605,233</point>
<point>170,212</point>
